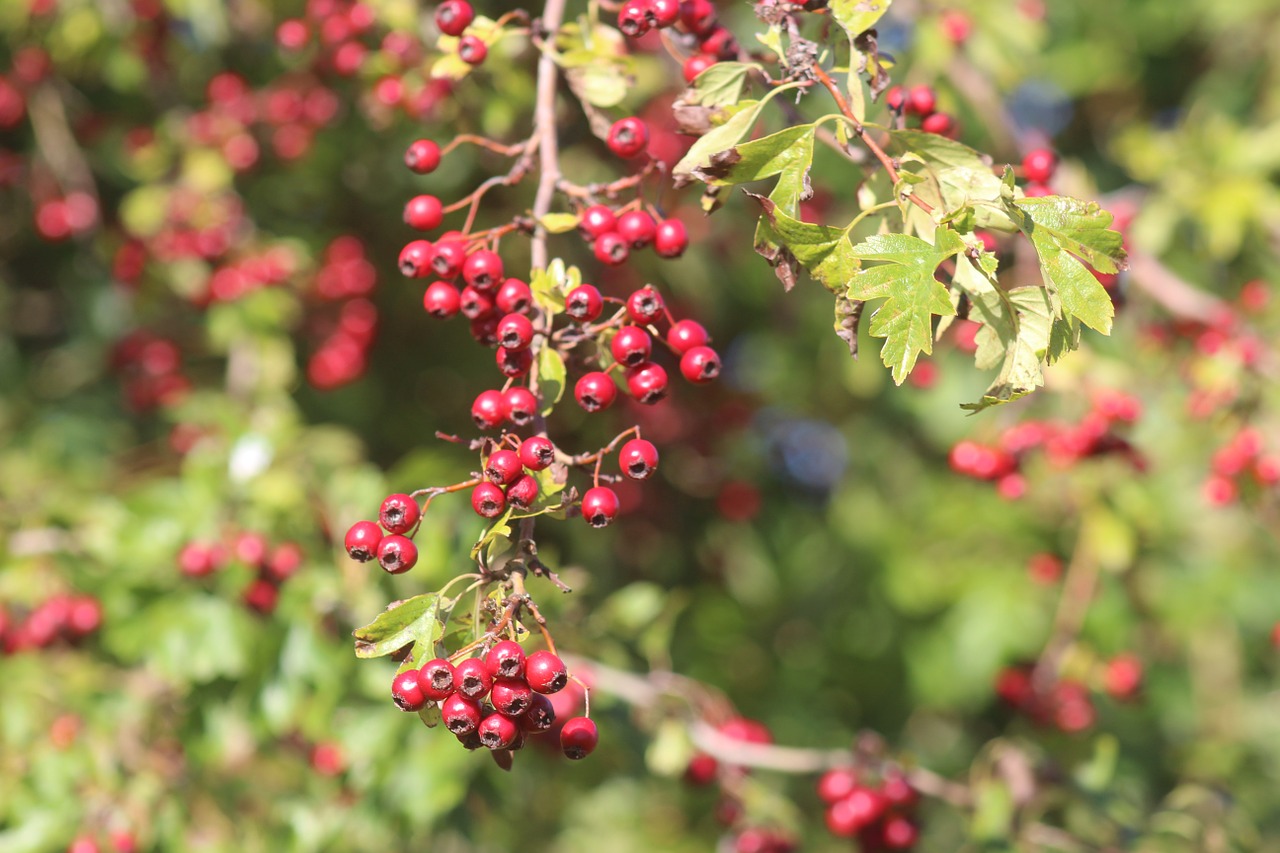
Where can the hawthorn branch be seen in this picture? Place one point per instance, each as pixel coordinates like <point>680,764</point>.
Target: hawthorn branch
<point>545,132</point>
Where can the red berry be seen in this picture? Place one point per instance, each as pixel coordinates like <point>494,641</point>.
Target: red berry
<point>921,100</point>
<point>697,16</point>
<point>422,156</point>
<point>489,410</point>
<point>399,512</point>
<point>719,42</point>
<point>644,305</point>
<point>454,16</point>
<point>476,304</point>
<point>837,784</point>
<point>498,731</point>
<point>943,124</point>
<point>472,50</point>
<point>514,363</point>
<point>441,300</point>
<point>1039,165</point>
<point>584,303</point>
<point>293,34</point>
<point>84,844</point>
<point>637,228</point>
<point>700,364</point>
<point>545,672</point>
<point>423,213</point>
<point>628,137</point>
<point>1037,190</point>
<point>537,453</point>
<point>197,559</point>
<point>858,810</point>
<point>671,239</point>
<point>595,391</point>
<point>638,459</point>
<point>397,554</point>
<point>685,335</point>
<point>511,696</point>
<point>461,715</point>
<point>579,737</point>
<point>665,12</point>
<point>612,248</point>
<point>1123,676</point>
<point>600,506</point>
<point>896,98</point>
<point>523,492</point>
<point>482,270</point>
<point>472,679</point>
<point>515,332</point>
<point>407,692</point>
<point>647,382</point>
<point>416,259</point>
<point>436,679</point>
<point>898,792</point>
<point>362,541</point>
<point>596,220</point>
<point>541,715</point>
<point>448,257</point>
<point>898,833</point>
<point>505,660</point>
<point>503,467</point>
<point>488,500</point>
<point>522,405</point>
<point>485,330</point>
<point>514,297</point>
<point>696,64</point>
<point>631,345</point>
<point>634,18</point>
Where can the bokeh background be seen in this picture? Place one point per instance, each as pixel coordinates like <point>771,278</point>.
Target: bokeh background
<point>204,339</point>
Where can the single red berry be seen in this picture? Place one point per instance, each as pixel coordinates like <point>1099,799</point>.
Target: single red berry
<point>719,42</point>
<point>628,137</point>
<point>665,12</point>
<point>441,300</point>
<point>897,791</point>
<point>422,156</point>
<point>251,549</point>
<point>84,844</point>
<point>671,239</point>
<point>498,731</point>
<point>485,330</point>
<point>637,228</point>
<point>472,50</point>
<point>505,660</point>
<point>515,332</point>
<point>600,506</point>
<point>584,303</point>
<point>483,270</point>
<point>503,467</point>
<point>922,100</point>
<point>647,382</point>
<point>406,691</point>
<point>293,34</point>
<point>700,364</point>
<point>399,512</point>
<point>197,559</point>
<point>896,98</point>
<point>541,715</point>
<point>595,391</point>
<point>836,784</point>
<point>475,303</point>
<point>645,305</point>
<point>696,64</point>
<point>899,833</point>
<point>416,259</point>
<point>261,596</point>
<point>362,541</point>
<point>448,257</point>
<point>488,500</point>
<point>634,18</point>
<point>461,715</point>
<point>423,213</point>
<point>511,696</point>
<point>514,297</point>
<point>397,554</point>
<point>638,459</point>
<point>436,679</point>
<point>596,220</point>
<point>545,672</point>
<point>943,124</point>
<point>1123,677</point>
<point>612,248</point>
<point>697,16</point>
<point>513,363</point>
<point>523,492</point>
<point>579,737</point>
<point>454,16</point>
<point>472,679</point>
<point>537,453</point>
<point>685,335</point>
<point>84,615</point>
<point>1039,165</point>
<point>631,345</point>
<point>522,405</point>
<point>1037,190</point>
<point>489,410</point>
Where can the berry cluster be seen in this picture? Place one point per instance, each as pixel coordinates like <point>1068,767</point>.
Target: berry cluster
<point>346,277</point>
<point>150,368</point>
<point>121,841</point>
<point>920,103</point>
<point>1241,463</point>
<point>694,21</point>
<point>1064,704</point>
<point>878,815</point>
<point>60,617</point>
<point>272,565</point>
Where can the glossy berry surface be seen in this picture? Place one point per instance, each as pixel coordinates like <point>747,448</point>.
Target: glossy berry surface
<point>612,248</point>
<point>407,693</point>
<point>631,345</point>
<point>397,554</point>
<point>1038,165</point>
<point>398,513</point>
<point>436,679</point>
<point>488,500</point>
<point>460,714</point>
<point>483,270</point>
<point>600,506</point>
<point>670,239</point>
<point>545,672</point>
<point>700,364</point>
<point>511,362</point>
<point>637,228</point>
<point>416,259</point>
<point>422,156</point>
<point>489,410</point>
<point>644,306</point>
<point>498,731</point>
<point>514,297</point>
<point>584,303</point>
<point>638,459</point>
<point>362,541</point>
<point>523,492</point>
<point>595,391</point>
<point>511,696</point>
<point>423,213</point>
<point>537,452</point>
<point>441,300</point>
<point>472,50</point>
<point>515,332</point>
<point>596,220</point>
<point>522,405</point>
<point>505,660</point>
<point>628,137</point>
<point>647,382</point>
<point>454,16</point>
<point>503,467</point>
<point>579,737</point>
<point>684,335</point>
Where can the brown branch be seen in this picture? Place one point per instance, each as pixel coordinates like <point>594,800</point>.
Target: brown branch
<point>544,131</point>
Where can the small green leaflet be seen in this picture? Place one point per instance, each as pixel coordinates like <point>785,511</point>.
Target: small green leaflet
<point>720,85</point>
<point>858,16</point>
<point>414,620</point>
<point>823,251</point>
<point>549,286</point>
<point>551,378</point>
<point>788,153</point>
<point>905,280</point>
<point>559,223</point>
<point>1062,230</point>
<point>726,135</point>
<point>955,175</point>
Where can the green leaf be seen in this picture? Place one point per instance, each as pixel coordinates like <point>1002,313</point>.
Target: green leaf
<point>905,280</point>
<point>548,287</point>
<point>414,620</point>
<point>719,85</point>
<point>559,223</point>
<point>551,378</point>
<point>788,153</point>
<point>430,715</point>
<point>858,16</point>
<point>726,135</point>
<point>1019,345</point>
<point>1061,229</point>
<point>954,175</point>
<point>823,251</point>
<point>499,528</point>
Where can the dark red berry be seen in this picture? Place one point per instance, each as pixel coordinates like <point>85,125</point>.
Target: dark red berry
<point>511,696</point>
<point>595,391</point>
<point>483,270</point>
<point>665,12</point>
<point>612,248</point>
<point>475,303</point>
<point>523,492</point>
<point>631,345</point>
<point>634,18</point>
<point>448,257</point>
<point>637,228</point>
<point>600,506</point>
<point>584,303</point>
<point>472,50</point>
<point>522,405</point>
<point>285,560</point>
<point>489,411</point>
<point>261,595</point>
<point>537,453</point>
<point>685,335</point>
<point>423,213</point>
<point>671,239</point>
<point>422,156</point>
<point>541,715</point>
<point>416,259</point>
<point>514,363</point>
<point>505,660</point>
<point>700,364</point>
<point>545,672</point>
<point>697,16</point>
<point>644,305</point>
<point>397,554</point>
<point>454,16</point>
<point>922,100</point>
<point>579,737</point>
<point>436,679</point>
<point>515,332</point>
<point>647,382</point>
<point>638,459</point>
<point>461,715</point>
<point>498,731</point>
<point>896,98</point>
<point>1039,165</point>
<point>596,220</point>
<point>407,692</point>
<point>488,500</point>
<point>441,300</point>
<point>485,330</point>
<point>696,64</point>
<point>836,784</point>
<point>898,792</point>
<point>514,297</point>
<point>362,541</point>
<point>719,42</point>
<point>503,467</point>
<point>628,137</point>
<point>399,512</point>
<point>472,679</point>
<point>899,833</point>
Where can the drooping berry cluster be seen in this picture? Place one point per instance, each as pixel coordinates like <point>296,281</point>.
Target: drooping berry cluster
<point>150,369</point>
<point>1240,465</point>
<point>69,618</point>
<point>878,814</point>
<point>696,22</point>
<point>272,566</point>
<point>920,103</point>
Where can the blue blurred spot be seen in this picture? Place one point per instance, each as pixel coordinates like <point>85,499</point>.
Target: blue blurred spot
<point>808,453</point>
<point>1040,105</point>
